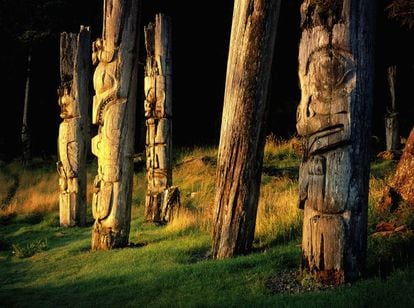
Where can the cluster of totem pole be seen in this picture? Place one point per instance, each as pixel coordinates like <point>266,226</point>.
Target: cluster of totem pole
<point>333,117</point>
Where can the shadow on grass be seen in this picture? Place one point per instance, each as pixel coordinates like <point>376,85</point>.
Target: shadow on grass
<point>290,172</point>
<point>386,255</point>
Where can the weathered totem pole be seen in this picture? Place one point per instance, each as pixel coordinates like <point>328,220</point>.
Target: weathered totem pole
<point>114,105</point>
<point>391,118</point>
<point>162,199</point>
<point>74,98</point>
<point>240,153</point>
<point>334,117</point>
<point>25,133</point>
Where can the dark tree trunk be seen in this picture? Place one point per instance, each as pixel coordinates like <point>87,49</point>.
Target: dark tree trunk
<point>334,117</point>
<point>114,106</point>
<point>391,118</point>
<point>401,186</point>
<point>74,100</point>
<point>242,132</point>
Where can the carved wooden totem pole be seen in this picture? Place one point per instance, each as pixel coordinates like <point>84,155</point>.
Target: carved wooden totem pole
<point>74,98</point>
<point>334,116</point>
<point>392,138</point>
<point>161,198</point>
<point>114,103</point>
<point>240,153</point>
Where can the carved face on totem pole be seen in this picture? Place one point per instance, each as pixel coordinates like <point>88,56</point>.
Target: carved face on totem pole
<point>323,113</point>
<point>108,113</point>
<point>327,72</point>
<point>67,103</point>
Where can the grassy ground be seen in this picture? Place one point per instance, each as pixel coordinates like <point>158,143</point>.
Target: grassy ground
<point>42,264</point>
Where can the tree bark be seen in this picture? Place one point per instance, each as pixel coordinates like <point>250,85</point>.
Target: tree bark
<point>25,133</point>
<point>241,147</point>
<point>401,186</point>
<point>334,117</point>
<point>114,105</point>
<point>158,115</point>
<point>391,118</point>
<point>74,99</point>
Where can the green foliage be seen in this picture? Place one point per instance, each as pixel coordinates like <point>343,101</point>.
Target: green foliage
<point>29,249</point>
<point>386,254</point>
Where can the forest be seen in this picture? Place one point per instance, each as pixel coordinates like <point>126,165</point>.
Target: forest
<point>244,153</point>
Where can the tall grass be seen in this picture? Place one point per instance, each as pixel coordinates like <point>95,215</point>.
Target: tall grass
<point>278,217</point>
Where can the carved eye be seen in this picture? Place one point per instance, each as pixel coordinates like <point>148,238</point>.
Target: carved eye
<point>331,70</point>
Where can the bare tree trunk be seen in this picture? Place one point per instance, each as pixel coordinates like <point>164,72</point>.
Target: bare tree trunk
<point>242,132</point>
<point>25,133</point>
<point>401,186</point>
<point>391,118</point>
<point>158,114</point>
<point>74,99</point>
<point>334,117</point>
<point>114,105</point>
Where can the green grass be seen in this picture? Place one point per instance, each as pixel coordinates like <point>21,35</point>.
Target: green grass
<point>169,265</point>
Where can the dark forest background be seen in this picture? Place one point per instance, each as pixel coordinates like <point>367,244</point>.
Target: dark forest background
<point>201,33</point>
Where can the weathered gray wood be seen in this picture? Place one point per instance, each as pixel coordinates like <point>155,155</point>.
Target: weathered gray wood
<point>158,115</point>
<point>334,117</point>
<point>74,99</point>
<point>241,147</point>
<point>25,133</point>
<point>114,105</point>
<point>391,117</point>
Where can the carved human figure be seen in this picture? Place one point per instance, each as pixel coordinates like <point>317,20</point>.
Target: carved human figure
<point>113,111</point>
<point>73,99</point>
<point>331,186</point>
<point>70,150</point>
<point>108,109</point>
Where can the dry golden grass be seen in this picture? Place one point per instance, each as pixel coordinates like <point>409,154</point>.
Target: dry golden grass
<point>185,219</point>
<point>194,174</point>
<point>36,192</point>
<point>278,217</point>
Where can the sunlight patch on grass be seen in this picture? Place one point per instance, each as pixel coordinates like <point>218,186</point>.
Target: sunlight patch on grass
<point>278,217</point>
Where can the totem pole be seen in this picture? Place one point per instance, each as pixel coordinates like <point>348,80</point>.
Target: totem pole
<point>161,198</point>
<point>74,98</point>
<point>334,117</point>
<point>114,103</point>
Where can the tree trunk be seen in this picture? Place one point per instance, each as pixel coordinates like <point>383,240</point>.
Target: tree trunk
<point>241,147</point>
<point>334,117</point>
<point>114,105</point>
<point>401,185</point>
<point>158,113</point>
<point>391,118</point>
<point>25,134</point>
<point>74,99</point>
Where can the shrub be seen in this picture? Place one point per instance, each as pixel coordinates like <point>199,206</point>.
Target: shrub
<point>30,249</point>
